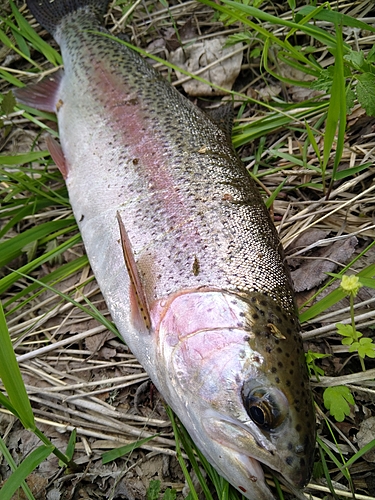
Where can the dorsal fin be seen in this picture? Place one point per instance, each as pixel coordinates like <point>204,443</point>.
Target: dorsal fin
<point>135,279</point>
<point>223,116</point>
<point>42,95</point>
<point>50,13</point>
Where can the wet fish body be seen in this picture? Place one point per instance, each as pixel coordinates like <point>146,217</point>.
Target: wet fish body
<point>160,195</point>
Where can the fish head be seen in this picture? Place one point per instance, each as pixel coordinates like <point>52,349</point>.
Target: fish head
<point>236,376</point>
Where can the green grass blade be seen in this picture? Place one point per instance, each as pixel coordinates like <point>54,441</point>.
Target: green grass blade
<point>333,17</point>
<point>8,457</point>
<point>335,296</point>
<point>12,248</point>
<point>186,442</point>
<point>368,447</point>
<point>38,43</point>
<point>111,455</point>
<point>4,401</point>
<point>62,272</point>
<point>10,374</point>
<point>323,448</point>
<point>9,280</point>
<point>91,310</point>
<point>71,444</point>
<point>23,158</point>
<point>336,117</point>
<point>338,100</point>
<point>242,13</point>
<point>21,211</point>
<point>193,493</point>
<point>28,465</point>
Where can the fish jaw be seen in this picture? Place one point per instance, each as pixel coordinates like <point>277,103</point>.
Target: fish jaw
<point>216,363</point>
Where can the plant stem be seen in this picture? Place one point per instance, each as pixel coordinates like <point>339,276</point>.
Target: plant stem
<point>56,452</point>
<point>355,336</point>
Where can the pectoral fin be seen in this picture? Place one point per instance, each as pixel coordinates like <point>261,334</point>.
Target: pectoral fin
<point>138,298</point>
<point>57,155</point>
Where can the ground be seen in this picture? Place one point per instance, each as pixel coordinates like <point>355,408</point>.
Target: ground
<point>78,374</point>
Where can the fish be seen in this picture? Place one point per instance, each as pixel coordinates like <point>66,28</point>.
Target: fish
<point>183,249</point>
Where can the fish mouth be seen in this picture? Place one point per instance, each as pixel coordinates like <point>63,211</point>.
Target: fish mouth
<point>235,441</point>
<point>253,475</point>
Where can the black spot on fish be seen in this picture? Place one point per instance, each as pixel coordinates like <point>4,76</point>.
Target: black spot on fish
<point>289,460</point>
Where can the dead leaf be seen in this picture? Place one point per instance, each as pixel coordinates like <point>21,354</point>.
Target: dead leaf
<point>95,342</point>
<point>325,260</point>
<point>199,55</point>
<point>365,435</point>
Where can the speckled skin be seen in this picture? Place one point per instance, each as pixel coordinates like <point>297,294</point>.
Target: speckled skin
<point>223,319</point>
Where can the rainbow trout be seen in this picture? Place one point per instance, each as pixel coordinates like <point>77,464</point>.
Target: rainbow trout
<point>183,249</point>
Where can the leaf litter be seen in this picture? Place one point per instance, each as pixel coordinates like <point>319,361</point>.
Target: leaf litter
<point>80,376</point>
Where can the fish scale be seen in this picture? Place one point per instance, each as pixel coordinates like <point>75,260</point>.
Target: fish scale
<point>183,249</point>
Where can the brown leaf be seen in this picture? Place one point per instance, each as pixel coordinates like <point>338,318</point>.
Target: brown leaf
<point>312,272</point>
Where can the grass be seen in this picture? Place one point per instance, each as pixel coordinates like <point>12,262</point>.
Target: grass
<point>314,167</point>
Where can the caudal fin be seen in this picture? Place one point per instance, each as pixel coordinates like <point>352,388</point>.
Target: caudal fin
<point>49,13</point>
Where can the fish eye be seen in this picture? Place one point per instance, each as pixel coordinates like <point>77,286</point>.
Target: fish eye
<point>267,408</point>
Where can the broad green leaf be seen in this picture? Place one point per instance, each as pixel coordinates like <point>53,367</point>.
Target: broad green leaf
<point>365,347</point>
<point>337,400</point>
<point>356,58</point>
<point>366,92</point>
<point>170,494</point>
<point>347,331</point>
<point>8,103</point>
<point>153,490</point>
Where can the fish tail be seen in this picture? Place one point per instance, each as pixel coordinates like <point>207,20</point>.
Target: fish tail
<point>49,13</point>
